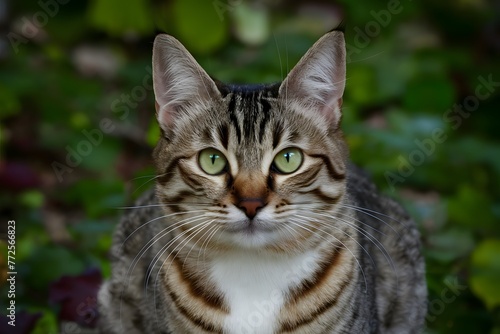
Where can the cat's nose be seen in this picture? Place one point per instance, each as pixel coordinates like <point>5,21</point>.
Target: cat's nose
<point>251,205</point>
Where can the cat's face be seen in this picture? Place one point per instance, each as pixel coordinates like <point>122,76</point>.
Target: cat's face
<point>250,164</point>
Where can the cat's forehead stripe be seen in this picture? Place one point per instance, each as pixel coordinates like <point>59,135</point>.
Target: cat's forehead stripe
<point>232,116</point>
<point>250,113</point>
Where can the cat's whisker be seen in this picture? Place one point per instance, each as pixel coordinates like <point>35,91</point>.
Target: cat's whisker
<point>339,229</point>
<point>213,229</point>
<point>141,253</point>
<point>181,235</point>
<point>366,58</point>
<point>156,238</point>
<point>151,179</point>
<point>141,177</point>
<point>196,242</point>
<point>157,205</point>
<point>368,212</point>
<point>163,249</point>
<point>158,256</point>
<point>137,207</point>
<point>279,56</point>
<point>299,224</point>
<point>289,229</point>
<point>314,207</point>
<point>369,236</point>
<point>157,218</point>
<point>198,228</point>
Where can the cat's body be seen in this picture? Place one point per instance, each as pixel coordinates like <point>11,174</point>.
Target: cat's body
<point>259,224</point>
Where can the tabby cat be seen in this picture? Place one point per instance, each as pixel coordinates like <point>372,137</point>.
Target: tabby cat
<point>259,223</point>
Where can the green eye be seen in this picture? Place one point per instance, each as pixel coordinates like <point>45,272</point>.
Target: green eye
<point>288,160</point>
<point>212,161</point>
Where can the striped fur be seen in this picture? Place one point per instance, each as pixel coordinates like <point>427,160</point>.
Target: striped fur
<point>324,253</point>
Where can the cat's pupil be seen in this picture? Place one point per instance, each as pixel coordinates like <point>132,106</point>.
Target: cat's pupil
<point>213,157</point>
<point>287,156</point>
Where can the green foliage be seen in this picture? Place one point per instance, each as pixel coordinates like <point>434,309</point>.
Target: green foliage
<point>198,24</point>
<point>486,272</point>
<point>90,63</point>
<point>135,16</point>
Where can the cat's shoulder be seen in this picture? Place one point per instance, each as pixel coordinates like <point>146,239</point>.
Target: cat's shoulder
<point>364,194</point>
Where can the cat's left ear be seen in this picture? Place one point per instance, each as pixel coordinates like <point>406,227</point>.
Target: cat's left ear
<point>180,83</point>
<point>317,81</point>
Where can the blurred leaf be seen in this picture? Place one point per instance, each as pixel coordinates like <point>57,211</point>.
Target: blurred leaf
<point>9,102</point>
<point>80,120</point>
<point>486,272</point>
<point>116,18</point>
<point>450,245</point>
<point>471,208</point>
<point>101,156</point>
<point>153,134</point>
<point>77,296</point>
<point>17,176</point>
<point>62,262</point>
<point>199,26</point>
<point>429,93</point>
<point>24,323</point>
<point>32,199</point>
<point>97,197</point>
<point>361,86</point>
<point>251,23</point>
<point>46,324</point>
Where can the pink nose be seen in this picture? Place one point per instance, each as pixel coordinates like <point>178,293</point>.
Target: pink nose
<point>250,206</point>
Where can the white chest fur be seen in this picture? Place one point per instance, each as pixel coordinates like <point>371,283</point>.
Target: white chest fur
<point>254,287</point>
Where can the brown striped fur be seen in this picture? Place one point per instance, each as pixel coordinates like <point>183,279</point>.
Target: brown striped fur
<point>253,249</point>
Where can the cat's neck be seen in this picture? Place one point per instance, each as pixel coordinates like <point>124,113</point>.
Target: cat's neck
<point>255,285</point>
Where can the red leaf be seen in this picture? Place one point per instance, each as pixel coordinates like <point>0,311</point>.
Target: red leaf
<point>24,323</point>
<point>77,296</point>
<point>17,176</point>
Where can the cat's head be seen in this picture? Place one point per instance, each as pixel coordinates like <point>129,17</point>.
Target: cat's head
<point>255,165</point>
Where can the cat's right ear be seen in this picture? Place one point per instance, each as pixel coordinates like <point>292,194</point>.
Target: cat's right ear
<point>179,82</point>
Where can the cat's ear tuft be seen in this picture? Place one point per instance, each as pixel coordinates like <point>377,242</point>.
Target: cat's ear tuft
<point>317,81</point>
<point>179,82</point>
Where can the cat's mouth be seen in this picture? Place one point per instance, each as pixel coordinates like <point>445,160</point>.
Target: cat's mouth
<point>250,226</point>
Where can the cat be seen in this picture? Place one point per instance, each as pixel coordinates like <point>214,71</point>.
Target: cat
<point>259,223</point>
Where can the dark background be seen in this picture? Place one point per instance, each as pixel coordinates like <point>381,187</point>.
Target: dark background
<point>77,129</point>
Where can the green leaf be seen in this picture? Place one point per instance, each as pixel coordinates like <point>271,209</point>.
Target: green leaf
<point>46,324</point>
<point>32,199</point>
<point>199,26</point>
<point>50,263</point>
<point>116,17</point>
<point>251,23</point>
<point>486,272</point>
<point>429,94</point>
<point>450,245</point>
<point>365,90</point>
<point>9,102</point>
<point>153,133</point>
<point>471,208</point>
